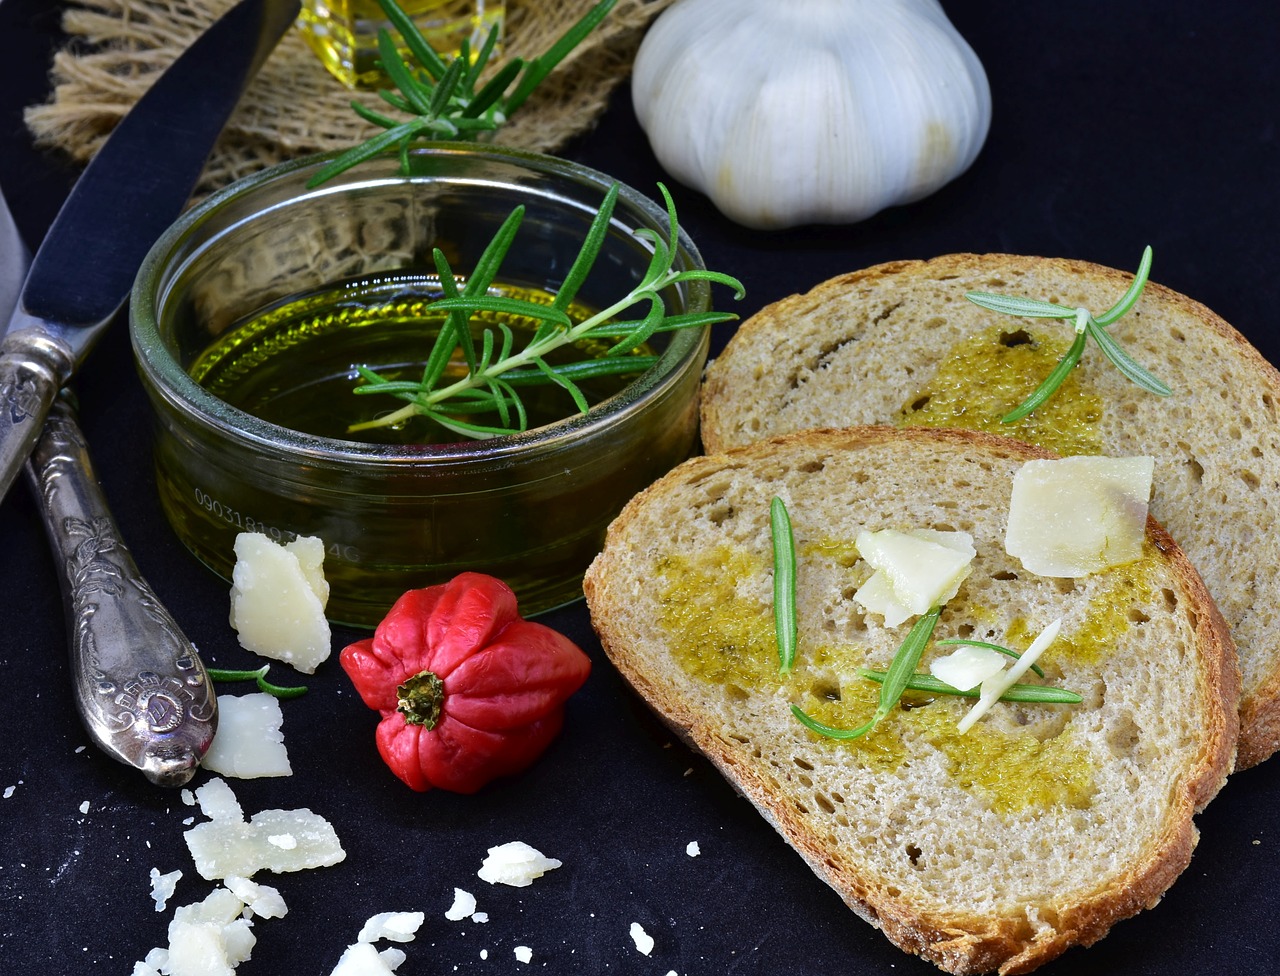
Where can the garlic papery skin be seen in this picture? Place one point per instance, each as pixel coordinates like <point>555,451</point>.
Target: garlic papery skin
<point>810,111</point>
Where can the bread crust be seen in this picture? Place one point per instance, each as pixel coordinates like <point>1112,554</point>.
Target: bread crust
<point>1228,396</point>
<point>956,940</point>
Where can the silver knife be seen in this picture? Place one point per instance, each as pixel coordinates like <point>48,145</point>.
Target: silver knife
<point>132,190</point>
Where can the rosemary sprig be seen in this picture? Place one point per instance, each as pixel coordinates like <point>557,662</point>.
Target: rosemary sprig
<point>259,677</point>
<point>1043,694</point>
<point>440,96</point>
<point>784,584</point>
<point>896,681</point>
<point>1087,326</point>
<point>496,370</point>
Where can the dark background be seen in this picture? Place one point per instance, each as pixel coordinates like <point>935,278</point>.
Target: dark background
<point>1115,125</point>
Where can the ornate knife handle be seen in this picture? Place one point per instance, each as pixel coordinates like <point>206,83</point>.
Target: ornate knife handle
<point>140,687</point>
<point>33,367</point>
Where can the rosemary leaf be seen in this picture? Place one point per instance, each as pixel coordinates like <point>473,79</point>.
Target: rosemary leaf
<point>1043,694</point>
<point>1129,368</point>
<point>1026,307</point>
<point>784,584</point>
<point>1130,297</point>
<point>555,329</point>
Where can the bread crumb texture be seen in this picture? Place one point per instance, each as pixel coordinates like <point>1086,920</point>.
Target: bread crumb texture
<point>992,850</point>
<point>899,344</point>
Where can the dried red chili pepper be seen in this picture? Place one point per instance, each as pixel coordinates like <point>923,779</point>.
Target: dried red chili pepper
<point>468,690</point>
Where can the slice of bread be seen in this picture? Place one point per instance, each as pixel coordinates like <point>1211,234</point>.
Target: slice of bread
<point>899,343</point>
<point>997,849</point>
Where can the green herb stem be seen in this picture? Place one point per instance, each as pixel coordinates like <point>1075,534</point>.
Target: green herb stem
<point>259,677</point>
<point>896,680</point>
<point>1043,694</point>
<point>784,584</point>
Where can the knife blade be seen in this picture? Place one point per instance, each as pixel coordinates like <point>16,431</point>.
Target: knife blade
<point>129,193</point>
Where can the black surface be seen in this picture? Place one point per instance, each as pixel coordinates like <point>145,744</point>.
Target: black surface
<point>1116,125</point>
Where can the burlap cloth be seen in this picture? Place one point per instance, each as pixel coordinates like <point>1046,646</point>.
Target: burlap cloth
<point>116,48</point>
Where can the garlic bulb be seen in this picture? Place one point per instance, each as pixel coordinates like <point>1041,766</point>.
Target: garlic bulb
<point>810,111</point>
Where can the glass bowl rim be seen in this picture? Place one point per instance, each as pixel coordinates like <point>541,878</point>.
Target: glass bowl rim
<point>686,348</point>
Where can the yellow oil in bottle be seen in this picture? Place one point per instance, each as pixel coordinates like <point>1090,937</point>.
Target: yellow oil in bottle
<point>987,375</point>
<point>344,33</point>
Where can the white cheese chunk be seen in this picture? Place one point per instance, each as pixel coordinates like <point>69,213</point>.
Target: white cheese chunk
<point>208,938</point>
<point>362,959</point>
<point>464,906</point>
<point>260,900</point>
<point>222,848</point>
<point>523,954</point>
<point>249,742</point>
<point>393,926</point>
<point>967,667</point>
<point>516,864</point>
<point>162,886</point>
<point>914,571</point>
<point>1078,515</point>
<point>998,684</point>
<point>218,802</point>
<point>278,596</point>
<point>642,939</point>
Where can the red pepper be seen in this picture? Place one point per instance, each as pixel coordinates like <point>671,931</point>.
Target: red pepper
<point>468,690</point>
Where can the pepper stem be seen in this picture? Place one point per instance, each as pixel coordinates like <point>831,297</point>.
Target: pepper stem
<point>420,699</point>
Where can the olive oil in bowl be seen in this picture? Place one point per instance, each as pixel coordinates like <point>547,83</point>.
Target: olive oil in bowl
<point>294,364</point>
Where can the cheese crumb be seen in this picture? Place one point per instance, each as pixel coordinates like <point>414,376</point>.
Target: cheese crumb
<point>278,596</point>
<point>9,791</point>
<point>524,954</point>
<point>642,939</point>
<point>162,886</point>
<point>516,864</point>
<point>464,905</point>
<point>84,807</point>
<point>692,848</point>
<point>392,926</point>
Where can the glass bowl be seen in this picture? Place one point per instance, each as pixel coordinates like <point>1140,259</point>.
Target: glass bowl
<point>530,508</point>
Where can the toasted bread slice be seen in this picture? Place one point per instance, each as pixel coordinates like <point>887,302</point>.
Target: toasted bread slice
<point>997,849</point>
<point>899,343</point>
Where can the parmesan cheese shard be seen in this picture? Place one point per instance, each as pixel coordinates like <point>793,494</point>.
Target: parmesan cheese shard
<point>162,886</point>
<point>362,959</point>
<point>1074,516</point>
<point>261,900</point>
<point>914,571</point>
<point>392,926</point>
<point>278,596</point>
<point>515,864</point>
<point>967,667</point>
<point>642,939</point>
<point>464,906</point>
<point>996,685</point>
<point>228,846</point>
<point>249,742</point>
